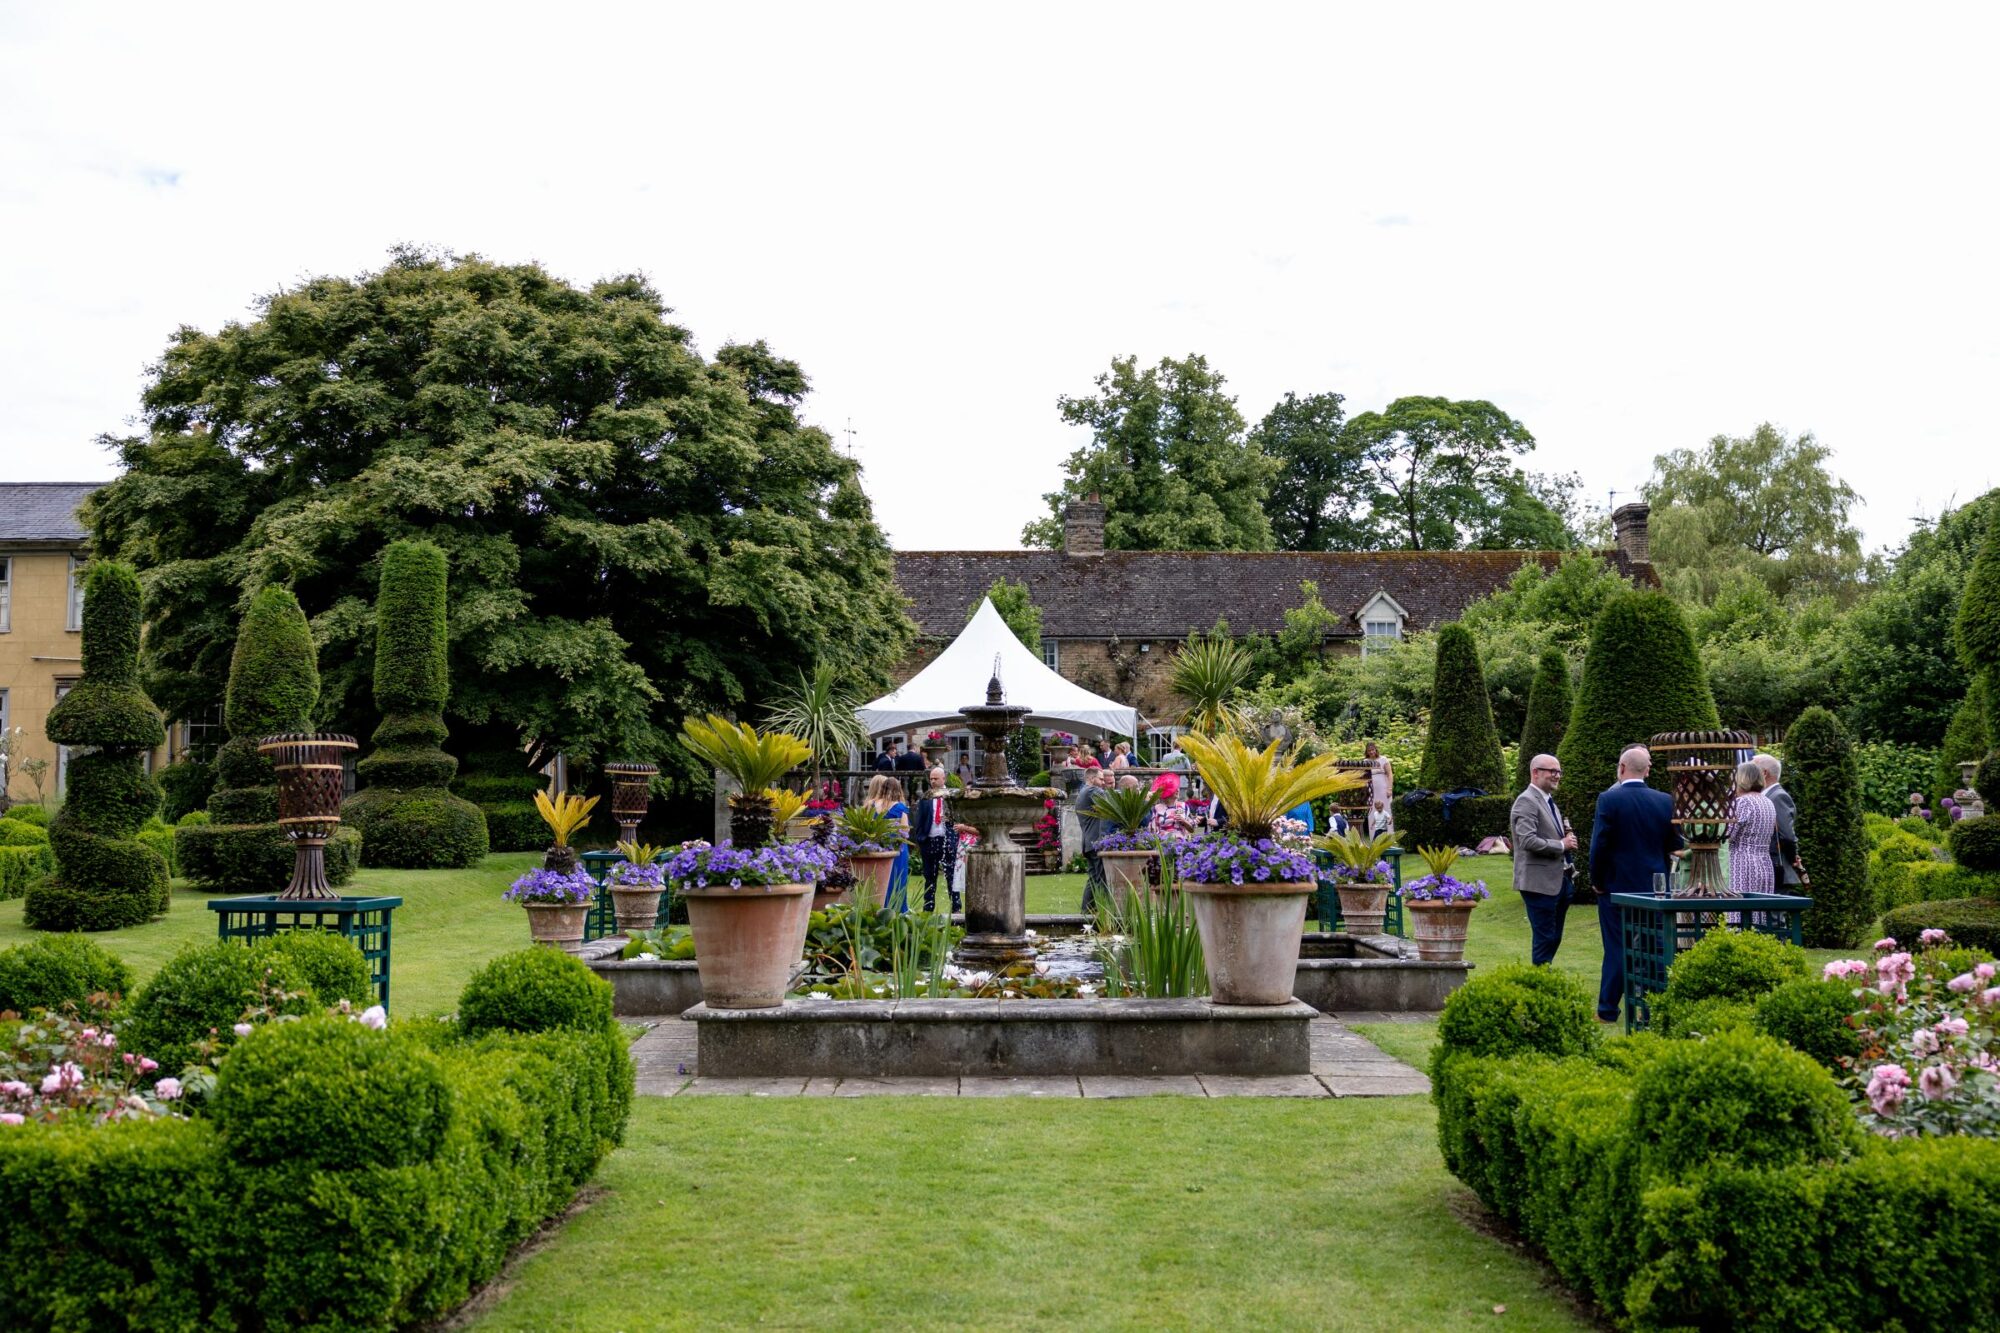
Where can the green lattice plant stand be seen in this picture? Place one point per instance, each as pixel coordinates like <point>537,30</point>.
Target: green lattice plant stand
<point>1658,930</point>
<point>603,918</point>
<point>363,920</point>
<point>1326,895</point>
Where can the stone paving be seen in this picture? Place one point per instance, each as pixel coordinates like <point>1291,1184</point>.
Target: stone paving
<point>1344,1064</point>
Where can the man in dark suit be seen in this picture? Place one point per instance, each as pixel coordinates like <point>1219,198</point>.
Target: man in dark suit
<point>1632,839</point>
<point>886,760</point>
<point>1785,877</point>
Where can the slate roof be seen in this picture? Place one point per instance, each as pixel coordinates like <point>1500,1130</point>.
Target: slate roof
<point>1168,594</point>
<point>43,511</point>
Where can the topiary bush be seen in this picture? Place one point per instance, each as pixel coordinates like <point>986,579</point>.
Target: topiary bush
<point>330,965</point>
<point>1463,748</point>
<point>498,781</point>
<point>1977,630</point>
<point>1685,1019</point>
<point>1548,712</point>
<point>18,834</point>
<point>1734,965</point>
<point>155,833</point>
<point>59,970</point>
<point>1975,843</point>
<point>104,878</point>
<point>1820,774</point>
<point>535,990</point>
<point>25,814</point>
<point>1641,676</point>
<point>24,865</point>
<point>1473,818</point>
<point>404,813</point>
<point>1974,922</point>
<point>1965,738</point>
<point>246,858</point>
<point>1740,1098</point>
<point>391,1109</point>
<point>1811,1015</point>
<point>202,991</point>
<point>185,787</point>
<point>1516,1009</point>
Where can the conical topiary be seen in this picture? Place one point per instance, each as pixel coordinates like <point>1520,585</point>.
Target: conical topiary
<point>273,685</point>
<point>1463,748</point>
<point>1548,712</point>
<point>1978,629</point>
<point>406,816</point>
<point>1822,776</point>
<point>105,878</point>
<point>1965,738</point>
<point>1641,676</point>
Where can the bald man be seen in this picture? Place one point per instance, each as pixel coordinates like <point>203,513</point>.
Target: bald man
<point>1544,858</point>
<point>1632,839</point>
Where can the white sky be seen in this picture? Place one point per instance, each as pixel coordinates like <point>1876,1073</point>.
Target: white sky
<point>1632,227</point>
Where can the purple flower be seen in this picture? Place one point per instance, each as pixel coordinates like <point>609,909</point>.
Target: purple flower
<point>698,865</point>
<point>1445,889</point>
<point>628,876</point>
<point>552,886</point>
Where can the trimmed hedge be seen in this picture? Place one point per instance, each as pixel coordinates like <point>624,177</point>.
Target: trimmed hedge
<point>1462,748</point>
<point>515,826</point>
<point>1973,922</point>
<point>331,966</point>
<point>534,990</point>
<point>14,833</point>
<point>1821,775</point>
<point>201,992</point>
<point>59,970</point>
<point>23,866</point>
<point>25,814</point>
<point>1641,676</point>
<point>347,1178</point>
<point>1473,818</point>
<point>1975,843</point>
<point>185,787</point>
<point>1899,884</point>
<point>426,828</point>
<point>1548,713</point>
<point>1517,1009</point>
<point>246,858</point>
<point>1811,1016</point>
<point>1734,965</point>
<point>1977,630</point>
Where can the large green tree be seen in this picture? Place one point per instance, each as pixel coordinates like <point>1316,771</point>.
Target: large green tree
<point>1761,503</point>
<point>1016,606</point>
<point>635,533</point>
<point>1443,473</point>
<point>1169,457</point>
<point>1977,630</point>
<point>1321,498</point>
<point>1548,713</point>
<point>1463,748</point>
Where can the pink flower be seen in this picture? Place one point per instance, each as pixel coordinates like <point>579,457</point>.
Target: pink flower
<point>242,1029</point>
<point>147,1066</point>
<point>1932,937</point>
<point>12,1118</point>
<point>1842,967</point>
<point>1924,1042</point>
<point>129,1058</point>
<point>1990,996</point>
<point>167,1089</point>
<point>1886,943</point>
<point>108,1040</point>
<point>1895,970</point>
<point>64,1075</point>
<point>1949,1027</point>
<point>14,1087</point>
<point>375,1016</point>
<point>1936,1081</point>
<point>1887,1085</point>
<point>1984,971</point>
<point>1964,983</point>
<point>88,1034</point>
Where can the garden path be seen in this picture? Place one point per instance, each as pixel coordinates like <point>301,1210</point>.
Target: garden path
<point>1344,1064</point>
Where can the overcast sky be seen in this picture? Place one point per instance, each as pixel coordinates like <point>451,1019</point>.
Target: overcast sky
<point>1631,227</point>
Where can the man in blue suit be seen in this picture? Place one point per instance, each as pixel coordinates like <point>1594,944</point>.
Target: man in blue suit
<point>1632,839</point>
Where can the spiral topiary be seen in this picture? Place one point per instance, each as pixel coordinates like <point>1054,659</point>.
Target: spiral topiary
<point>273,685</point>
<point>406,817</point>
<point>105,877</point>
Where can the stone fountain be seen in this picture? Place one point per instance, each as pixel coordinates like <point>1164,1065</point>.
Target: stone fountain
<point>996,870</point>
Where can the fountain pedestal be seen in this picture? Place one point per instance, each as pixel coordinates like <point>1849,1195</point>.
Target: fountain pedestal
<point>996,875</point>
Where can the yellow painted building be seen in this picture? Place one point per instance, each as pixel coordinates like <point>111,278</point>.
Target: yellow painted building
<point>42,553</point>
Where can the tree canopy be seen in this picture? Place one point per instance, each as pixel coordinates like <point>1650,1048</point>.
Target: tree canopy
<point>635,533</point>
<point>1443,475</point>
<point>1322,497</point>
<point>1169,457</point>
<point>1017,607</point>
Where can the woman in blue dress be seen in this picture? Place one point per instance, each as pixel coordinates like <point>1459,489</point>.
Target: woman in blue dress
<point>885,794</point>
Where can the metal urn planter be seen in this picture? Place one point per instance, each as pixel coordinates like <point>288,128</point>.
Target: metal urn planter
<point>1701,766</point>
<point>310,787</point>
<point>631,795</point>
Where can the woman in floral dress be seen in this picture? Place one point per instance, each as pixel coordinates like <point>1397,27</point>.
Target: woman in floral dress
<point>1752,820</point>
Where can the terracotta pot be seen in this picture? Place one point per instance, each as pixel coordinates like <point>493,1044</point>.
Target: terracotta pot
<point>637,908</point>
<point>1439,930</point>
<point>823,897</point>
<point>1362,907</point>
<point>871,877</point>
<point>1250,936</point>
<point>1124,872</point>
<point>559,925</point>
<point>747,941</point>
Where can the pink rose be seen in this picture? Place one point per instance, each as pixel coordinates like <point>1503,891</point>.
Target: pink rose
<point>1886,943</point>
<point>1886,1087</point>
<point>14,1087</point>
<point>167,1089</point>
<point>1984,971</point>
<point>1990,996</point>
<point>1936,1081</point>
<point>242,1029</point>
<point>147,1066</point>
<point>1932,937</point>
<point>1924,1042</point>
<point>1842,967</point>
<point>1949,1027</point>
<point>375,1016</point>
<point>1896,969</point>
<point>12,1118</point>
<point>1964,983</point>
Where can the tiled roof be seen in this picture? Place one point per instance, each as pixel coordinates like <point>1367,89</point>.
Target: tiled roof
<point>43,511</point>
<point>1168,594</point>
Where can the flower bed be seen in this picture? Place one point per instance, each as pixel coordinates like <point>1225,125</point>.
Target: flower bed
<point>341,1175</point>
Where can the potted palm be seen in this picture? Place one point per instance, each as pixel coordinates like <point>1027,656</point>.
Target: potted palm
<point>757,760</point>
<point>748,909</point>
<point>1361,878</point>
<point>1129,849</point>
<point>564,813</point>
<point>637,885</point>
<point>821,713</point>
<point>867,842</point>
<point>788,820</point>
<point>558,905</point>
<point>1440,907</point>
<point>1250,890</point>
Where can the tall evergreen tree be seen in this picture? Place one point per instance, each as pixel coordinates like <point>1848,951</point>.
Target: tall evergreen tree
<point>1977,632</point>
<point>1821,775</point>
<point>1548,712</point>
<point>1017,607</point>
<point>105,877</point>
<point>1463,748</point>
<point>1641,676</point>
<point>1321,496</point>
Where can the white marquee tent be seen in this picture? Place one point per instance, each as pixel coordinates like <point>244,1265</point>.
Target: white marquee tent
<point>959,674</point>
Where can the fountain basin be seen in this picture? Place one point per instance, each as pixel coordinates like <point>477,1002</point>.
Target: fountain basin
<point>939,1038</point>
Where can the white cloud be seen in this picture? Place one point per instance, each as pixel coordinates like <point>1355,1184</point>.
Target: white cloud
<point>1634,229</point>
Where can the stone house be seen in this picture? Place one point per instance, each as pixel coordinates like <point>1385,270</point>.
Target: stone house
<point>1111,620</point>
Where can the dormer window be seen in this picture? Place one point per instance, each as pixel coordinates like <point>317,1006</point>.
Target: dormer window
<point>1382,620</point>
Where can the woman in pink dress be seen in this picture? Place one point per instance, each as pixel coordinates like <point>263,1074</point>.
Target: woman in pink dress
<point>1752,819</point>
<point>1381,791</point>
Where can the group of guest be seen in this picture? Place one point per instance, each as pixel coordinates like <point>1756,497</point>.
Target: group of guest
<point>1103,755</point>
<point>1632,841</point>
<point>929,828</point>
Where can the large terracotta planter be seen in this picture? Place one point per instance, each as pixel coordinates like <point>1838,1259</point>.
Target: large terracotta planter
<point>823,897</point>
<point>1125,872</point>
<point>1250,937</point>
<point>559,925</point>
<point>871,877</point>
<point>1439,930</point>
<point>1363,907</point>
<point>747,941</point>
<point>638,907</point>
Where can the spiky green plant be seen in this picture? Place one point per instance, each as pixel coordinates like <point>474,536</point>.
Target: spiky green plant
<point>1257,787</point>
<point>1438,860</point>
<point>1356,849</point>
<point>1127,807</point>
<point>1157,952</point>
<point>755,759</point>
<point>1209,674</point>
<point>822,714</point>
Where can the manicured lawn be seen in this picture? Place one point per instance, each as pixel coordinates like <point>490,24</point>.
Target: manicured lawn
<point>915,1213</point>
<point>450,923</point>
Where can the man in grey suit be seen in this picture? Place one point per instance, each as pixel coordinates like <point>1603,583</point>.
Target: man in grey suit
<point>1544,857</point>
<point>1784,836</point>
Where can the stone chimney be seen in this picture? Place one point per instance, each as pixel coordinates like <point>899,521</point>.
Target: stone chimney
<point>1083,527</point>
<point>1628,525</point>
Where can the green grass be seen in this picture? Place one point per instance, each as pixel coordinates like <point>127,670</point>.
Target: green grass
<point>917,1213</point>
<point>451,922</point>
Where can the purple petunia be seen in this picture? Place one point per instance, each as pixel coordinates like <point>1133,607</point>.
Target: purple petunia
<point>551,886</point>
<point>1223,858</point>
<point>698,865</point>
<point>1444,889</point>
<point>626,875</point>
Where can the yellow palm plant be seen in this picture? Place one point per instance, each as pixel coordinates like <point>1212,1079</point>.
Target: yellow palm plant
<point>1355,849</point>
<point>639,853</point>
<point>785,806</point>
<point>756,759</point>
<point>1257,787</point>
<point>564,813</point>
<point>1438,860</point>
